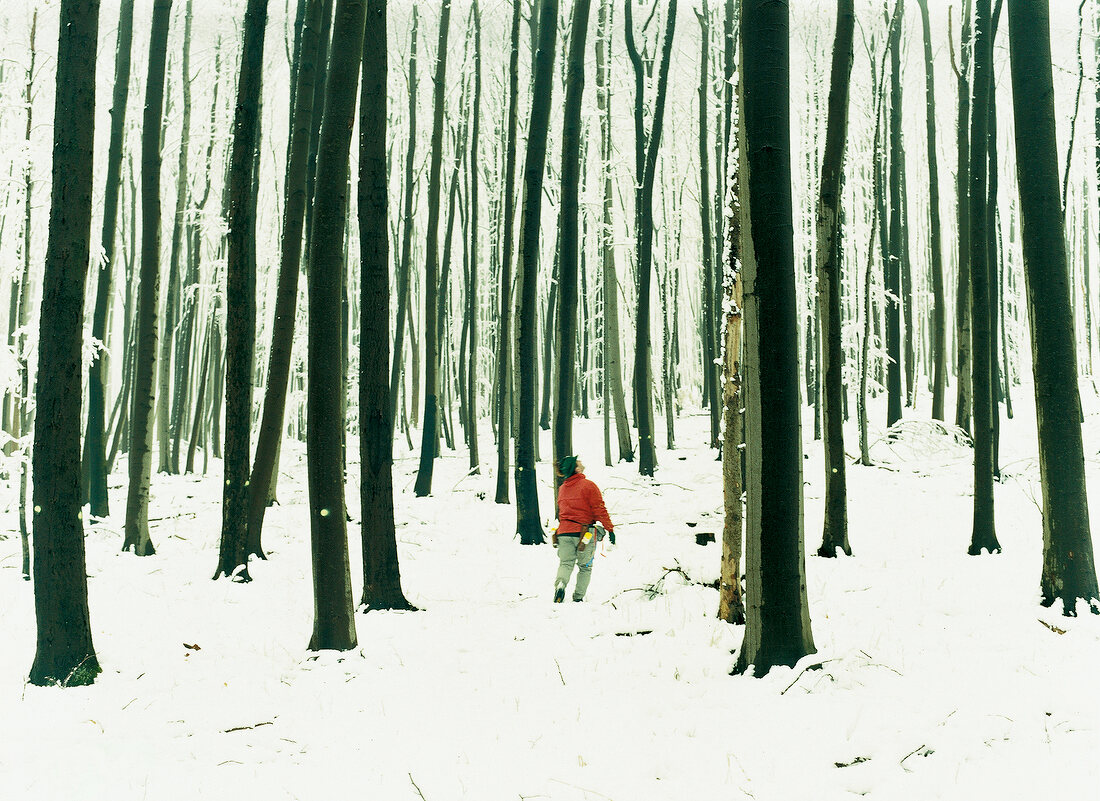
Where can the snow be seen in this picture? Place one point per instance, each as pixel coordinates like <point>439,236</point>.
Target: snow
<point>938,678</point>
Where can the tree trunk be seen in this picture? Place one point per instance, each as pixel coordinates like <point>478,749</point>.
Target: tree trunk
<point>502,401</point>
<point>777,628</point>
<point>643,399</point>
<point>1069,571</point>
<point>430,435</point>
<point>381,572</point>
<point>286,294</point>
<point>527,500</point>
<point>568,221</point>
<point>984,535</point>
<point>939,332</point>
<point>240,299</point>
<point>962,186</point>
<point>472,310</point>
<point>835,535</point>
<point>334,619</point>
<point>612,352</point>
<point>145,357</point>
<point>710,371</point>
<point>65,653</point>
<point>893,263</point>
<point>95,465</point>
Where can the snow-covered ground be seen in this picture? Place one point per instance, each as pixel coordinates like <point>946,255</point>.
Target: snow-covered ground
<point>938,679</point>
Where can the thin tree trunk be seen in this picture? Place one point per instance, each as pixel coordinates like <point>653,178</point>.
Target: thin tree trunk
<point>984,535</point>
<point>381,571</point>
<point>962,188</point>
<point>430,434</point>
<point>145,357</point>
<point>95,467</point>
<point>710,371</point>
<point>528,523</point>
<point>270,433</point>
<point>568,220</point>
<point>503,404</point>
<point>893,262</point>
<point>240,300</point>
<point>334,619</point>
<point>939,332</point>
<point>835,534</point>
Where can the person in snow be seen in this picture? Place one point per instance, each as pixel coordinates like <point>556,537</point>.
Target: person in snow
<point>580,505</point>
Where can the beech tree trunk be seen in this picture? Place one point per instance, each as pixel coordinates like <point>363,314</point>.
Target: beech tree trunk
<point>568,222</point>
<point>145,355</point>
<point>939,327</point>
<point>984,536</point>
<point>502,401</point>
<point>334,619</point>
<point>1069,570</point>
<point>777,630</point>
<point>962,188</point>
<point>893,263</point>
<point>381,571</point>
<point>430,434</point>
<point>95,464</point>
<point>835,534</point>
<point>528,523</point>
<point>240,299</point>
<point>64,653</point>
<point>286,294</point>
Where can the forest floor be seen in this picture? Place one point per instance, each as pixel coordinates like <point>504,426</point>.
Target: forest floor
<point>941,676</point>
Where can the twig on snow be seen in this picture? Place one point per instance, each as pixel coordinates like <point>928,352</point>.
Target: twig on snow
<point>244,728</point>
<point>559,673</point>
<point>417,787</point>
<point>814,666</point>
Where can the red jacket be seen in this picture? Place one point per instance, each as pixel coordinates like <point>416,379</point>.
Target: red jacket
<point>579,505</point>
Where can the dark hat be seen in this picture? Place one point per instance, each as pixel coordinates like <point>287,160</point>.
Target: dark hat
<point>567,465</point>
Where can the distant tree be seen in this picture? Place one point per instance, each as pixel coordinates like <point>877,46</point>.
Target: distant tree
<point>527,499</point>
<point>1069,569</point>
<point>286,292</point>
<point>568,223</point>
<point>777,630</point>
<point>502,402</point>
<point>614,396</point>
<point>835,533</point>
<point>939,326</point>
<point>646,167</point>
<point>984,535</point>
<point>334,619</point>
<point>472,309</point>
<point>240,298</point>
<point>430,437</point>
<point>65,654</point>
<point>145,356</point>
<point>710,370</point>
<point>894,262</point>
<point>962,190</point>
<point>95,454</point>
<point>381,572</point>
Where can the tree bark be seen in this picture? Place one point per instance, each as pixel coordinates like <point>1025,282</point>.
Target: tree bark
<point>835,534</point>
<point>527,500</point>
<point>145,357</point>
<point>64,653</point>
<point>893,263</point>
<point>503,404</point>
<point>95,465</point>
<point>984,535</point>
<point>777,628</point>
<point>568,221</point>
<point>430,434</point>
<point>381,571</point>
<point>286,294</point>
<point>334,620</point>
<point>962,187</point>
<point>240,299</point>
<point>939,326</point>
<point>1069,571</point>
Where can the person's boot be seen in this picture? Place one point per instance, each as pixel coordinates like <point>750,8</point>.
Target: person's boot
<point>559,595</point>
